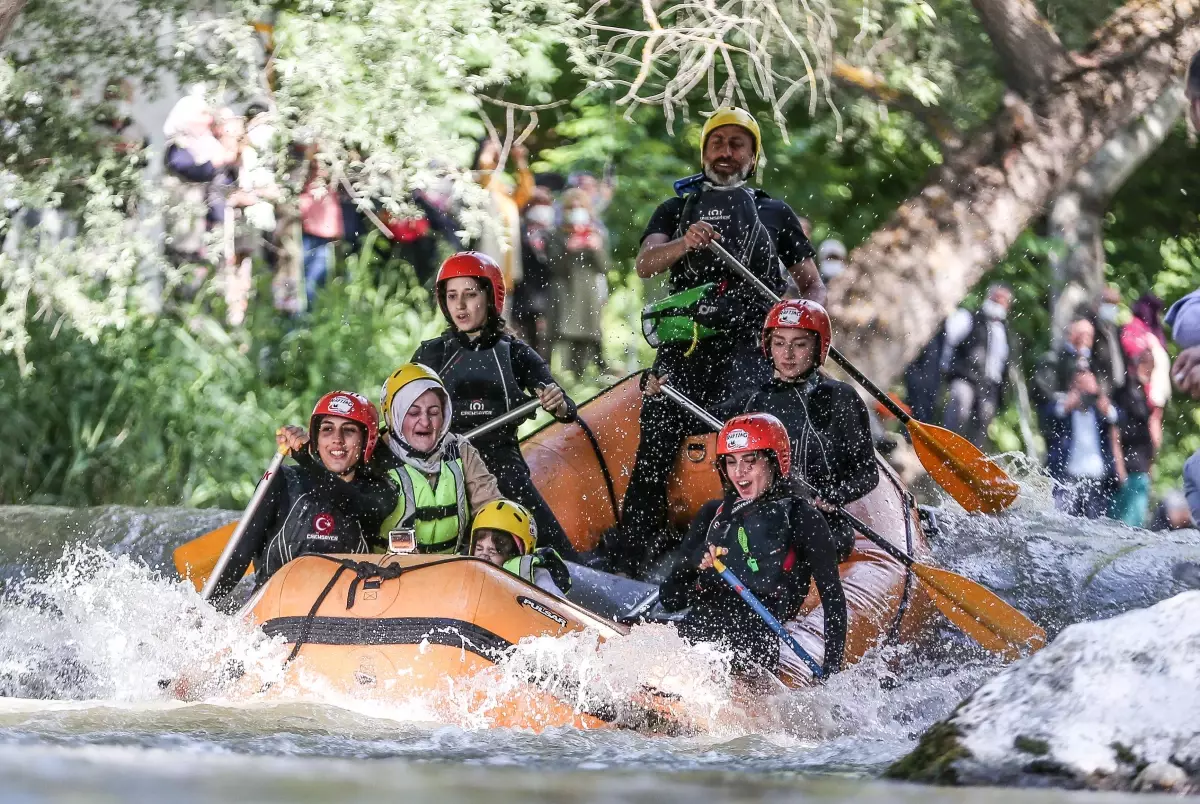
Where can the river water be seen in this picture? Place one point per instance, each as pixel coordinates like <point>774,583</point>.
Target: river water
<point>91,621</point>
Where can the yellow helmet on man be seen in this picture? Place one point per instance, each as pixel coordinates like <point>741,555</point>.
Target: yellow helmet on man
<point>733,116</point>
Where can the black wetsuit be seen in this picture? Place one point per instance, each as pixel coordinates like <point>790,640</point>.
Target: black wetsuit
<point>765,235</point>
<point>830,431</point>
<point>485,378</point>
<point>308,509</point>
<point>786,545</point>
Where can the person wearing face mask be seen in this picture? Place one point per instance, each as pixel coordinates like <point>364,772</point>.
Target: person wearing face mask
<point>488,372</point>
<point>1079,423</point>
<point>975,360</point>
<point>329,502</point>
<point>774,542</point>
<point>722,355</point>
<point>831,259</point>
<point>440,477</point>
<point>827,420</point>
<point>1108,358</point>
<point>533,302</point>
<point>578,259</point>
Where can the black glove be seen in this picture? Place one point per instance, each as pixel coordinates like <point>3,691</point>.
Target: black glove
<point>552,561</point>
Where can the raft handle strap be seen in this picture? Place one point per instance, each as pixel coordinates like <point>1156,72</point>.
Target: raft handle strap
<point>363,571</point>
<point>608,481</point>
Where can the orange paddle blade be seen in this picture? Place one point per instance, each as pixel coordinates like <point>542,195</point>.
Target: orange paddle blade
<point>973,479</point>
<point>981,614</point>
<point>197,559</point>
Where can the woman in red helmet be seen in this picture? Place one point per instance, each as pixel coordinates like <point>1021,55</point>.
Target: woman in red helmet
<point>832,448</point>
<point>774,542</point>
<point>329,502</point>
<point>488,372</point>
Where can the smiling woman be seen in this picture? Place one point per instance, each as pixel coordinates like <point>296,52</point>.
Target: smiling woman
<point>329,502</point>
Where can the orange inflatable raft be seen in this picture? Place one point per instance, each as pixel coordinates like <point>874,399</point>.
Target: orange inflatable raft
<point>427,622</point>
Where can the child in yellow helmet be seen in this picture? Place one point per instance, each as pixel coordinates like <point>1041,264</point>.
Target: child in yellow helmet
<point>504,533</point>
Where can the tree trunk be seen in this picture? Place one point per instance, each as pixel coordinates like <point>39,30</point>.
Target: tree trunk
<point>912,272</point>
<point>1077,215</point>
<point>9,11</point>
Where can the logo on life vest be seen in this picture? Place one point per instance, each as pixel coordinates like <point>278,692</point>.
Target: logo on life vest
<point>789,315</point>
<point>737,439</point>
<point>476,406</point>
<point>323,524</point>
<point>542,610</point>
<point>341,405</point>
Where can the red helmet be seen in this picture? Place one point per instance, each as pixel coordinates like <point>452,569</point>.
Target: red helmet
<point>755,431</point>
<point>799,314</point>
<point>476,265</point>
<point>348,405</point>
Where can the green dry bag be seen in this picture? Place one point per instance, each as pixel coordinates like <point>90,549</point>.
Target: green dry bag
<point>670,320</point>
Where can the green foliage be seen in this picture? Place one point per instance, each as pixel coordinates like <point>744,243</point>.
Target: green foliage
<point>176,410</point>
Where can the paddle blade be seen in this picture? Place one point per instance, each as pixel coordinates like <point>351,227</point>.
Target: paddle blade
<point>197,559</point>
<point>974,480</point>
<point>981,614</point>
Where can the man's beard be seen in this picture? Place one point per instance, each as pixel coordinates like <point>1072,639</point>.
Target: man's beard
<point>732,180</point>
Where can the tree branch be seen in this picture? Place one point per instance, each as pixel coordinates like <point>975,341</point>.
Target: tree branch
<point>964,220</point>
<point>1029,50</point>
<point>9,11</point>
<point>875,86</point>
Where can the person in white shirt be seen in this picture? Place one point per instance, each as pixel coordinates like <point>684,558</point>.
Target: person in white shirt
<point>975,359</point>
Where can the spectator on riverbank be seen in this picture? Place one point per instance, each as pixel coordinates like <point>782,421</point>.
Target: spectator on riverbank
<point>578,258</point>
<point>1078,421</point>
<point>193,158</point>
<point>1134,449</point>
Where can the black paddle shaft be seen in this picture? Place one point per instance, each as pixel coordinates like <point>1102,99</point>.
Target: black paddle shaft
<point>745,273</point>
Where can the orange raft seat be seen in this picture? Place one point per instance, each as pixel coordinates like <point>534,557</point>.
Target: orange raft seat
<point>420,627</point>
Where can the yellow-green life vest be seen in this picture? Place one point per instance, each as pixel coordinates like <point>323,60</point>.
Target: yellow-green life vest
<point>522,566</point>
<point>440,516</point>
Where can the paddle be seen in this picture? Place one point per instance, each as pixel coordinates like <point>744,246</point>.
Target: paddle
<point>980,613</point>
<point>199,558</point>
<point>768,618</point>
<point>260,493</point>
<point>973,479</point>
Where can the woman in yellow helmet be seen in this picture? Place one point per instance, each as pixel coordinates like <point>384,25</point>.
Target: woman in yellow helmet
<point>440,476</point>
<point>504,533</point>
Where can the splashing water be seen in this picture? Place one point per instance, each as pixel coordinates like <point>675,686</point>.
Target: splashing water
<point>105,627</point>
<point>87,640</point>
<point>109,630</point>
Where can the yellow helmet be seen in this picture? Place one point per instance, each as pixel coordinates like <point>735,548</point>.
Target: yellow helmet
<point>509,517</point>
<point>402,388</point>
<point>733,116</point>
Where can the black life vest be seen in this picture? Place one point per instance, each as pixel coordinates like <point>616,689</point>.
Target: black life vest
<point>758,535</point>
<point>482,385</point>
<point>312,525</point>
<point>733,213</point>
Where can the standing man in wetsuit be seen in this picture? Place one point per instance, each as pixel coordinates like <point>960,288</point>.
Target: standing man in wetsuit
<point>764,234</point>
